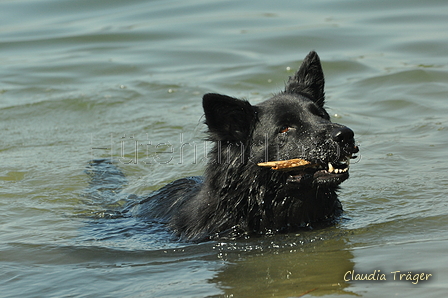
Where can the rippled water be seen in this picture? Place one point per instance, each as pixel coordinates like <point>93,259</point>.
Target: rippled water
<point>89,79</point>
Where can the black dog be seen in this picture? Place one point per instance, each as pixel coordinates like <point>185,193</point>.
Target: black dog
<point>236,197</point>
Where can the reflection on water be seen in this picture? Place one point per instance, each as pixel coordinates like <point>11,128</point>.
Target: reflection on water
<point>292,267</point>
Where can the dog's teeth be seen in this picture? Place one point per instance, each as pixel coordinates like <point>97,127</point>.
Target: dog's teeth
<point>332,169</point>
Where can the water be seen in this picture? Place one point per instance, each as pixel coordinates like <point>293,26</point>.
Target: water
<point>78,75</point>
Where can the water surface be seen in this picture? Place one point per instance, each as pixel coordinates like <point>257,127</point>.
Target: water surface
<point>83,80</point>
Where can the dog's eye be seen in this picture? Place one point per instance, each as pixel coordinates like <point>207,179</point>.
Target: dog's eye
<point>284,128</point>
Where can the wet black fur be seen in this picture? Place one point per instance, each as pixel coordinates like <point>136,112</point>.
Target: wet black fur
<point>236,197</point>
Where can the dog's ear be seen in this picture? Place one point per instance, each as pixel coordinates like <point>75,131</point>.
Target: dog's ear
<point>309,79</point>
<point>228,118</point>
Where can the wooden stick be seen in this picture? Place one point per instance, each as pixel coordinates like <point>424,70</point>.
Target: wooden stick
<point>286,164</point>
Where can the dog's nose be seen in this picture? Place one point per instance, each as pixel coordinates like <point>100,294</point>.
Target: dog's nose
<point>345,136</point>
<point>342,134</point>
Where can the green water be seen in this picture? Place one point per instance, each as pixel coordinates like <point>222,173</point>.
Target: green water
<point>124,79</point>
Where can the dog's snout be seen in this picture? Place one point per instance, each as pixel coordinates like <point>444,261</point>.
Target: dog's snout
<point>345,136</point>
<point>342,135</point>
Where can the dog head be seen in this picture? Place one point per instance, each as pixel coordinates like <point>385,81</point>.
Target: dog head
<point>292,124</point>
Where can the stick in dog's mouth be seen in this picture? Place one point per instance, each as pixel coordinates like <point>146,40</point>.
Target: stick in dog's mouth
<point>287,164</point>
